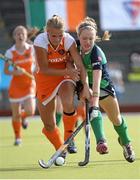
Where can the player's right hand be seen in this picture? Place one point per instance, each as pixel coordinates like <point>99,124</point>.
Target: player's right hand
<point>73,73</point>
<point>17,72</point>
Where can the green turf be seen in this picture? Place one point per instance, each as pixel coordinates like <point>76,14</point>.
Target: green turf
<point>22,162</point>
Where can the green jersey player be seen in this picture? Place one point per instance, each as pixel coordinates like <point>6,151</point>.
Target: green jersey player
<point>102,89</point>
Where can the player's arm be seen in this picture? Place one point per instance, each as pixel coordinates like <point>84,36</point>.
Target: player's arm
<point>96,61</point>
<point>13,72</point>
<point>42,61</point>
<point>97,74</point>
<point>83,75</point>
<point>7,70</point>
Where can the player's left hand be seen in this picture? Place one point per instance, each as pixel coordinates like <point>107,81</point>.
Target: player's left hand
<point>93,112</point>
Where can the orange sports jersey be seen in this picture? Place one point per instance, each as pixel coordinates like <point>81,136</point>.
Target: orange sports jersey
<point>47,86</point>
<point>21,86</point>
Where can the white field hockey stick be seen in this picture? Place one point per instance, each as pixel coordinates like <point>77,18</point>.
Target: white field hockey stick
<point>87,139</point>
<point>51,161</point>
<point>9,61</point>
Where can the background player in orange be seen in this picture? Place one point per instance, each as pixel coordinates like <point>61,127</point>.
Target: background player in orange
<point>22,88</point>
<point>53,77</point>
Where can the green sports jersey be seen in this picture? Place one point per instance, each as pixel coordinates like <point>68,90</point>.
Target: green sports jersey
<point>96,60</point>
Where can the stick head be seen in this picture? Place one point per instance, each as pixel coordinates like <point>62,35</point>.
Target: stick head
<point>84,163</point>
<point>43,164</point>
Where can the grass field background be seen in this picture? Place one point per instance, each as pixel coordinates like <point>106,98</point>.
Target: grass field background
<point>22,162</point>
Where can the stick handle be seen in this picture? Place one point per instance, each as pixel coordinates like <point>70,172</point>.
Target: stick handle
<point>87,138</point>
<point>25,72</point>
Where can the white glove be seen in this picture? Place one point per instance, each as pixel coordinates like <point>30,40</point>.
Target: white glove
<point>93,112</point>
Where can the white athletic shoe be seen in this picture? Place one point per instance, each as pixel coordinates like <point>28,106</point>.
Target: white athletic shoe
<point>17,142</point>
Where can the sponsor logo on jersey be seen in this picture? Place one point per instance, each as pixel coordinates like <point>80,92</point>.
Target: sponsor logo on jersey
<point>23,61</point>
<point>55,60</point>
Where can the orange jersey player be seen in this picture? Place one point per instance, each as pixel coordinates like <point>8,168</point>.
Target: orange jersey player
<point>54,77</point>
<point>22,88</point>
<point>46,85</point>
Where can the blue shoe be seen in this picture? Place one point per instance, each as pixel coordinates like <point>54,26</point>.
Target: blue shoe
<point>72,148</point>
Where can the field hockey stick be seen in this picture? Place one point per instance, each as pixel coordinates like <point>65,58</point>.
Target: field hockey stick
<point>87,138</point>
<point>51,161</point>
<point>9,61</point>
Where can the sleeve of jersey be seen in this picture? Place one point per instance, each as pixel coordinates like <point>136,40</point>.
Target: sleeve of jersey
<point>8,54</point>
<point>68,41</point>
<point>40,41</point>
<point>96,59</point>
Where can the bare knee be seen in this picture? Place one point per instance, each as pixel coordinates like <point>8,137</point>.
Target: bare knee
<point>117,120</point>
<point>68,106</point>
<point>49,126</point>
<point>30,112</point>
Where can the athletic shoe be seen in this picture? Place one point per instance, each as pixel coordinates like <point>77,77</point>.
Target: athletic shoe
<point>72,148</point>
<point>101,147</point>
<point>24,123</point>
<point>63,155</point>
<point>128,151</point>
<point>17,142</point>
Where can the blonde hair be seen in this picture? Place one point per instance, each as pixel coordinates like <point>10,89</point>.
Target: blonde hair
<point>87,23</point>
<point>90,23</point>
<point>55,22</point>
<point>30,32</point>
<point>19,27</point>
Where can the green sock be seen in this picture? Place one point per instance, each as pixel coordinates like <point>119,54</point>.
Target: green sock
<point>123,132</point>
<point>97,126</point>
<point>58,118</point>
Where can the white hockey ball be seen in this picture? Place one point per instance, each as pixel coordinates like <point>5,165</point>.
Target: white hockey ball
<point>60,161</point>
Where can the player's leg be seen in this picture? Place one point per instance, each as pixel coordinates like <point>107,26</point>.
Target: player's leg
<point>111,107</point>
<point>16,122</point>
<point>98,129</point>
<point>50,130</point>
<point>66,94</point>
<point>80,115</point>
<point>29,106</point>
<point>59,111</point>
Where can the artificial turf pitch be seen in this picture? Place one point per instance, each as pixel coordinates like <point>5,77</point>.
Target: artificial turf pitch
<point>22,162</point>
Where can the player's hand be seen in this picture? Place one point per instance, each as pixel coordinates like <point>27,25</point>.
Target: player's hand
<point>17,72</point>
<point>93,112</point>
<point>73,73</point>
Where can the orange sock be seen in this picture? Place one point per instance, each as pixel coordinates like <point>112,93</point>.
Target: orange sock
<point>81,112</point>
<point>69,124</point>
<point>17,128</point>
<point>54,137</point>
<point>23,115</point>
